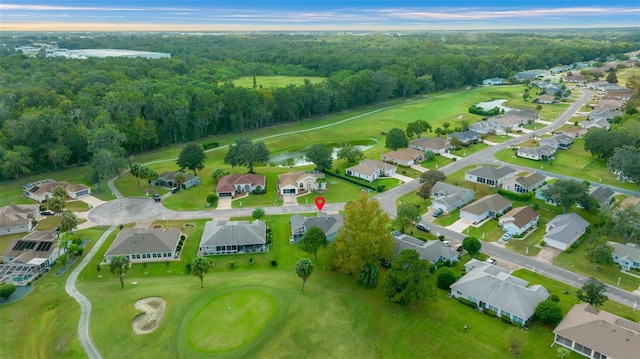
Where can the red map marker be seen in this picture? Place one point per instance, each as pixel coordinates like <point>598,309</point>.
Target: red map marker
<point>319,203</point>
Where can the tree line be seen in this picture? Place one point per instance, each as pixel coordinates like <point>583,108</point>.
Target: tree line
<point>49,107</point>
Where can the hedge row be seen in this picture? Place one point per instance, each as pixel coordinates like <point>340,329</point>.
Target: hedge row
<point>515,196</point>
<point>467,302</point>
<point>348,179</point>
<point>209,145</point>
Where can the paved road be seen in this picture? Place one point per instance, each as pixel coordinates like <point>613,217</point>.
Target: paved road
<point>85,304</point>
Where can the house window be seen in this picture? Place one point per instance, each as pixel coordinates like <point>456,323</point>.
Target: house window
<point>481,180</point>
<point>301,185</point>
<point>597,355</point>
<point>506,313</point>
<point>582,349</point>
<point>518,320</point>
<point>564,341</point>
<point>636,264</point>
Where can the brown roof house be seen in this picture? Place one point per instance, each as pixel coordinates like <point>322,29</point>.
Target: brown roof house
<point>43,190</point>
<point>598,334</point>
<point>371,170</point>
<point>485,207</point>
<point>299,182</point>
<point>519,220</point>
<point>17,218</point>
<point>25,259</point>
<point>524,184</point>
<point>403,157</point>
<point>437,145</point>
<point>145,245</point>
<point>232,185</point>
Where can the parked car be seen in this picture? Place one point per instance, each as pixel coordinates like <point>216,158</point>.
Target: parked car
<point>47,213</point>
<point>492,261</point>
<point>447,243</point>
<point>438,212</point>
<point>507,236</point>
<point>57,229</point>
<point>156,197</point>
<point>458,247</point>
<point>175,189</point>
<point>422,227</point>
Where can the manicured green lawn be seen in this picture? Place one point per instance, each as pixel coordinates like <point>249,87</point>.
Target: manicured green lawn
<point>276,81</point>
<point>437,162</point>
<point>411,197</point>
<point>45,323</point>
<point>466,151</point>
<point>498,138</point>
<point>448,219</point>
<point>76,206</point>
<point>338,191</point>
<point>490,229</point>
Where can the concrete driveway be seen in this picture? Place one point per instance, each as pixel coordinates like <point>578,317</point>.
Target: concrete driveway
<point>224,203</point>
<point>459,225</point>
<point>402,178</point>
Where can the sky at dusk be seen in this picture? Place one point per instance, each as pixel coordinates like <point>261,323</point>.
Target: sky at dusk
<point>273,15</point>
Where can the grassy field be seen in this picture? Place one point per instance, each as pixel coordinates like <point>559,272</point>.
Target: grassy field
<point>45,323</point>
<point>276,81</point>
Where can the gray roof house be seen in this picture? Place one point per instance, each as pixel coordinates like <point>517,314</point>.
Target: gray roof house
<point>626,255</point>
<point>598,334</point>
<point>607,115</point>
<point>142,245</point>
<point>465,137</point>
<point>17,218</point>
<point>431,251</point>
<point>371,170</point>
<point>604,195</point>
<point>25,258</point>
<point>328,223</point>
<point>493,288</point>
<point>231,237</point>
<point>168,179</point>
<point>599,123</point>
<point>437,144</point>
<point>487,206</point>
<point>564,229</point>
<point>559,141</point>
<point>449,197</point>
<point>487,127</point>
<point>491,176</point>
<point>524,184</point>
<point>543,153</point>
<point>492,81</point>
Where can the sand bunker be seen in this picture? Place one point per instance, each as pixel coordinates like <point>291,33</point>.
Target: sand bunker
<point>153,308</point>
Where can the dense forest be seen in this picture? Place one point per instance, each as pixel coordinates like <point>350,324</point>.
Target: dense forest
<point>56,112</point>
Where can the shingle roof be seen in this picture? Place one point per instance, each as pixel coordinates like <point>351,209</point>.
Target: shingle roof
<point>602,194</point>
<point>292,178</point>
<point>369,167</point>
<point>227,183</point>
<point>436,144</point>
<point>520,216</point>
<point>545,150</point>
<point>431,251</point>
<point>557,140</point>
<point>234,233</point>
<point>329,224</point>
<point>494,286</point>
<point>142,240</point>
<point>448,194</point>
<point>492,172</point>
<point>629,251</point>
<point>530,179</point>
<point>494,203</point>
<point>566,228</point>
<point>41,244</point>
<point>465,135</point>
<point>601,331</point>
<point>16,214</point>
<point>171,176</point>
<point>405,154</point>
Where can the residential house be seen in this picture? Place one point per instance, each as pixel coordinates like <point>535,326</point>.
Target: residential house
<point>564,229</point>
<point>437,145</point>
<point>528,75</point>
<point>608,115</point>
<point>575,78</point>
<point>621,94</point>
<point>558,141</point>
<point>168,179</point>
<point>449,197</point>
<point>559,69</point>
<point>610,106</point>
<point>328,223</point>
<point>232,185</point>
<point>403,157</point>
<point>486,207</point>
<point>466,137</point>
<point>603,195</point>
<point>633,202</point>
<point>600,123</point>
<point>231,237</point>
<point>43,190</point>
<point>492,81</point>
<point>545,99</point>
<point>626,255</point>
<point>17,218</point>
<point>575,132</point>
<point>25,259</point>
<point>432,251</point>
<point>541,153</point>
<point>493,288</point>
<point>371,170</point>
<point>142,245</point>
<point>598,85</point>
<point>519,220</point>
<point>487,127</point>
<point>491,176</point>
<point>299,182</point>
<point>598,334</point>
<point>524,184</point>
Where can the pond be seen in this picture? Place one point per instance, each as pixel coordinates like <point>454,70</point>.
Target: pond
<point>296,158</point>
<point>488,105</point>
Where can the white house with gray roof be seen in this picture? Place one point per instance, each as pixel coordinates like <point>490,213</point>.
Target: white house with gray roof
<point>541,153</point>
<point>449,197</point>
<point>626,255</point>
<point>485,207</point>
<point>491,176</point>
<point>371,170</point>
<point>465,137</point>
<point>564,229</point>
<point>559,141</point>
<point>519,220</point>
<point>431,251</point>
<point>598,334</point>
<point>231,237</point>
<point>145,245</point>
<point>17,218</point>
<point>328,223</point>
<point>493,288</point>
<point>603,195</point>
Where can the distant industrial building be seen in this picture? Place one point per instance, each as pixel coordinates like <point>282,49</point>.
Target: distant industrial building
<point>102,53</point>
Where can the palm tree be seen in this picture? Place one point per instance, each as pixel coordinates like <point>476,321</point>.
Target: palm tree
<point>304,268</point>
<point>119,265</point>
<point>199,267</point>
<point>179,179</point>
<point>59,191</point>
<point>258,213</point>
<point>68,221</point>
<point>152,175</point>
<point>135,171</point>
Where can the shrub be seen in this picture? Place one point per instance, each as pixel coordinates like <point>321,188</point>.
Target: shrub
<point>515,196</point>
<point>251,261</point>
<point>380,188</point>
<point>349,179</point>
<point>489,312</point>
<point>543,243</point>
<point>232,264</point>
<point>505,319</point>
<point>212,198</point>
<point>274,263</point>
<point>446,278</point>
<point>188,267</point>
<point>209,145</point>
<point>555,298</point>
<point>454,159</point>
<point>467,302</point>
<point>182,238</point>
